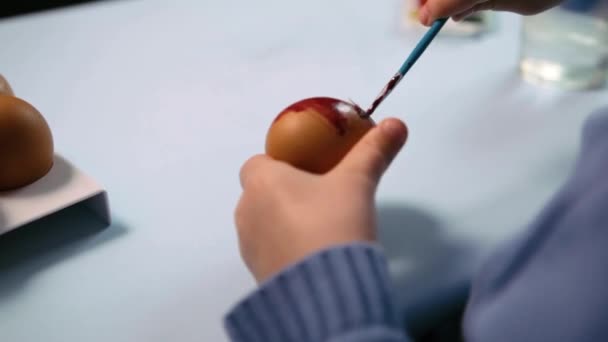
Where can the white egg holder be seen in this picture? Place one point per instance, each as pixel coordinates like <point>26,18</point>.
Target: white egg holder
<point>62,187</point>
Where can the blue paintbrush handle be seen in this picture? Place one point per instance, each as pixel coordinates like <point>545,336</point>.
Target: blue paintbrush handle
<point>422,45</point>
<point>407,65</point>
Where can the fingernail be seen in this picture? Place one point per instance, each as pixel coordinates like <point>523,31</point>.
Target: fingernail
<point>395,130</point>
<point>423,16</point>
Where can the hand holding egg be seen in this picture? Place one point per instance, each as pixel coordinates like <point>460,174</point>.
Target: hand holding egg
<point>285,213</point>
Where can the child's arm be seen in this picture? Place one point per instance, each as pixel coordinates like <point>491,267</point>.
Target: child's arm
<point>342,294</point>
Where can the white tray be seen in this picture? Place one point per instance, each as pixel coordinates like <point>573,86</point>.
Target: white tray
<point>64,186</point>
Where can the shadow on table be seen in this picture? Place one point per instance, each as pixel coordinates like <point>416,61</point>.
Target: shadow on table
<point>428,270</point>
<point>49,241</point>
<point>21,7</point>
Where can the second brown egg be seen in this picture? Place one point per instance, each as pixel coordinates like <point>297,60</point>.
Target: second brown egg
<point>26,144</point>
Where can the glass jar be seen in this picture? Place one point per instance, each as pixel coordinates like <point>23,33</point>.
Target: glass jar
<point>567,46</point>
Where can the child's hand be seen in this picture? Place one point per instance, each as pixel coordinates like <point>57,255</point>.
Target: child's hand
<point>286,214</point>
<point>458,9</point>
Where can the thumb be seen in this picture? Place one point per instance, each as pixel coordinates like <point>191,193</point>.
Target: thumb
<point>372,155</point>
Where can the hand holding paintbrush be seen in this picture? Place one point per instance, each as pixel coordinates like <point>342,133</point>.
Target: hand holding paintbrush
<point>315,134</point>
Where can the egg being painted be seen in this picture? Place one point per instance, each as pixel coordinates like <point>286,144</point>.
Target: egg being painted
<point>316,133</point>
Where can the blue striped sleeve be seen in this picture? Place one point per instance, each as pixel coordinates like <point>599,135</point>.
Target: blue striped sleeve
<point>342,294</point>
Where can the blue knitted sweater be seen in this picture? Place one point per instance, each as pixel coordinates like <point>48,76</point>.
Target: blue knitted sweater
<point>549,285</point>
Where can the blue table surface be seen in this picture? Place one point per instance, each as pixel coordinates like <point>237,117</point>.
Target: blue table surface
<point>162,102</point>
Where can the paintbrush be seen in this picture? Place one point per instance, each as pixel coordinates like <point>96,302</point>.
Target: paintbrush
<point>407,65</point>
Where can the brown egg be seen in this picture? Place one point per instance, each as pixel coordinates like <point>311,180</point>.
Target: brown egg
<point>5,88</point>
<point>315,134</point>
<point>26,144</point>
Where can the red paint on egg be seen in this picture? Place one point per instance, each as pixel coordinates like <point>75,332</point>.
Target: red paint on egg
<point>319,136</point>
<point>327,107</point>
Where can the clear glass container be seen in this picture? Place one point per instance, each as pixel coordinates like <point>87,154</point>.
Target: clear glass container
<point>567,46</point>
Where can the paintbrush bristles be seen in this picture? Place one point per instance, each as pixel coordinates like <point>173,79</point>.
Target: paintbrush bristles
<point>388,89</point>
